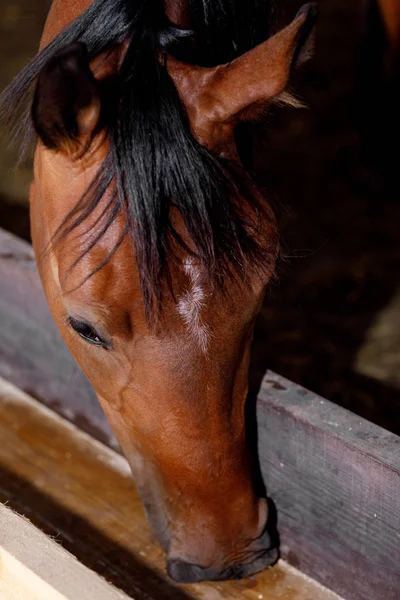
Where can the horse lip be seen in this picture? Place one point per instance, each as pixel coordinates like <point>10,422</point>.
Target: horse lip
<point>184,572</point>
<point>261,560</point>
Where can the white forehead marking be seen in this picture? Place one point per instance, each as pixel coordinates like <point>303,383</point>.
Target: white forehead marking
<point>191,304</point>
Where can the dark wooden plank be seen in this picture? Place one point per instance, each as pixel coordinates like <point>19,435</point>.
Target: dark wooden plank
<point>335,479</point>
<point>32,352</point>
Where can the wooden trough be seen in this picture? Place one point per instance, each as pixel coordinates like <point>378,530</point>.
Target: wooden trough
<point>334,477</point>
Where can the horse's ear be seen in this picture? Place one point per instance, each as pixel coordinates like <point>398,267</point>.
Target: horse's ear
<point>238,91</point>
<point>66,107</point>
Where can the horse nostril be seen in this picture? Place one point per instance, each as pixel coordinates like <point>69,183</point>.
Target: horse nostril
<point>184,572</point>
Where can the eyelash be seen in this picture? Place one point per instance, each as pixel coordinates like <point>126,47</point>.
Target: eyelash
<point>90,335</point>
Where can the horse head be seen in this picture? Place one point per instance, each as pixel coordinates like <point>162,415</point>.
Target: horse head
<point>169,365</point>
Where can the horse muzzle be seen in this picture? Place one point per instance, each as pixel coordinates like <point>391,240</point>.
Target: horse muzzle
<point>264,555</point>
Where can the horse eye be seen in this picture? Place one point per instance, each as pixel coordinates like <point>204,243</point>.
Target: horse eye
<point>87,332</point>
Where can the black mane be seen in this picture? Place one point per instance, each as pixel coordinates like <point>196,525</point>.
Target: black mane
<point>154,157</point>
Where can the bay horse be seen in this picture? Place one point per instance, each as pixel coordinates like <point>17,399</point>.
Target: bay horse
<point>155,246</point>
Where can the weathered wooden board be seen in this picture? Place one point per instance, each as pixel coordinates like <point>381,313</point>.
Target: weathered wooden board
<point>32,353</point>
<point>335,479</point>
<point>34,567</point>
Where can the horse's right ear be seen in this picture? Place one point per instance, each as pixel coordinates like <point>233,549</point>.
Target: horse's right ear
<point>67,106</point>
<point>218,98</point>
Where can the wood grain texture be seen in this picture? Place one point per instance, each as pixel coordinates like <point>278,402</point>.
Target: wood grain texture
<point>34,567</point>
<point>335,479</point>
<point>32,352</point>
<point>81,491</point>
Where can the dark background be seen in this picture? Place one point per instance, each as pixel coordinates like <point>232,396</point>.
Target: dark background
<point>331,319</point>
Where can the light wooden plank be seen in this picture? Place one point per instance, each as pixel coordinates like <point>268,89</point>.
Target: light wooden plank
<point>34,567</point>
<point>335,479</point>
<point>81,491</point>
<point>17,582</point>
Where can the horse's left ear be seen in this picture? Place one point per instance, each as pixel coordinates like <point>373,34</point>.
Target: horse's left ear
<point>218,98</point>
<point>66,107</point>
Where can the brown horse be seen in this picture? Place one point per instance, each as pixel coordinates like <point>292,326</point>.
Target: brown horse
<point>155,284</point>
